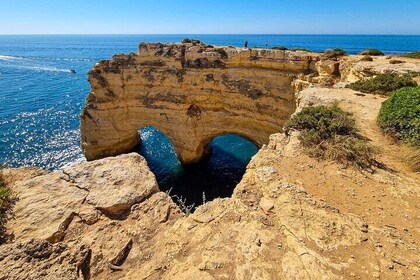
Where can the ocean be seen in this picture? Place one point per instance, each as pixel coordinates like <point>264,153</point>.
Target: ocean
<point>41,100</point>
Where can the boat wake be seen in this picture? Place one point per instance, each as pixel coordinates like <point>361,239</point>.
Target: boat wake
<point>29,64</point>
<point>10,58</point>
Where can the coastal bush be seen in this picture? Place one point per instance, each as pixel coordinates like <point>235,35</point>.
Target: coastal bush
<point>330,133</point>
<point>301,49</point>
<point>383,83</point>
<point>366,58</point>
<point>191,41</point>
<point>395,61</point>
<point>335,53</point>
<point>281,48</point>
<point>373,52</point>
<point>222,52</point>
<point>400,115</point>
<point>412,55</point>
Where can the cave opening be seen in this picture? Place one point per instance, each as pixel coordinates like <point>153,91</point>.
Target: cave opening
<point>216,175</point>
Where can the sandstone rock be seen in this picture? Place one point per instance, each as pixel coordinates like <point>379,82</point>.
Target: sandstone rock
<point>12,175</point>
<point>314,213</point>
<point>191,94</point>
<point>110,185</point>
<point>353,70</point>
<point>38,259</point>
<point>114,184</point>
<point>266,205</point>
<point>327,67</point>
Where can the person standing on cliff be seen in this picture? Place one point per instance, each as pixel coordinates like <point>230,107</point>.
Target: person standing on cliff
<point>246,44</point>
<point>266,44</point>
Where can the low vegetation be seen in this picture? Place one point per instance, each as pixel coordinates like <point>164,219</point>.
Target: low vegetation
<point>191,41</point>
<point>301,49</point>
<point>4,206</point>
<point>412,55</point>
<point>413,158</point>
<point>281,48</point>
<point>383,84</point>
<point>330,133</point>
<point>372,52</point>
<point>366,58</point>
<point>395,61</point>
<point>335,53</point>
<point>400,117</point>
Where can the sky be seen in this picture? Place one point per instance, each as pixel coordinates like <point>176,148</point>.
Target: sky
<point>210,17</point>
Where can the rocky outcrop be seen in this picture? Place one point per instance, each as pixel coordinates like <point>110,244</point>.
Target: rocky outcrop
<point>110,187</point>
<point>191,93</point>
<point>291,217</point>
<point>38,259</point>
<point>352,68</point>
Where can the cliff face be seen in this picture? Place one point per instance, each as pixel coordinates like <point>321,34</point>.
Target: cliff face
<point>291,217</point>
<point>191,94</point>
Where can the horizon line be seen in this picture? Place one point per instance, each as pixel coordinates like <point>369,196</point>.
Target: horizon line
<point>177,34</point>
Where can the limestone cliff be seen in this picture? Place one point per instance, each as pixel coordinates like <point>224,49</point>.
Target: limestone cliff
<point>191,93</point>
<point>291,216</point>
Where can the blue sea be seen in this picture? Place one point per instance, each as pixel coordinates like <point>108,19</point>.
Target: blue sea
<point>41,100</point>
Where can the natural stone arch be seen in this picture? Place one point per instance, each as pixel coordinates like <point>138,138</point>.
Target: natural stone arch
<point>191,94</point>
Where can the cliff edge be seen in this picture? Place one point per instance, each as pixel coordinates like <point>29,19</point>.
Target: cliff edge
<point>290,217</point>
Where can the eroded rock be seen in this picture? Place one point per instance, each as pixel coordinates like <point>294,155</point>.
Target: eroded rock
<point>111,185</point>
<point>161,84</point>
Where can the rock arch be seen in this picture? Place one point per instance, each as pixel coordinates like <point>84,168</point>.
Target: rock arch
<point>191,94</point>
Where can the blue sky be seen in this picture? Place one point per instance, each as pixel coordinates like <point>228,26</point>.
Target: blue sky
<point>209,17</point>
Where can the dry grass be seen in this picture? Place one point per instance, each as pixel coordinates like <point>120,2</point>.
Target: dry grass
<point>413,159</point>
<point>330,133</point>
<point>5,204</point>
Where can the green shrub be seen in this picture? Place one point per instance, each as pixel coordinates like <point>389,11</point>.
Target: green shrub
<point>412,55</point>
<point>366,58</point>
<point>373,52</point>
<point>383,83</point>
<point>330,133</point>
<point>281,48</point>
<point>335,53</point>
<point>191,41</point>
<point>400,115</point>
<point>396,61</point>
<point>301,49</point>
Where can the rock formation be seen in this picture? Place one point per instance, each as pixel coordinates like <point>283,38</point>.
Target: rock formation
<point>191,93</point>
<point>291,216</point>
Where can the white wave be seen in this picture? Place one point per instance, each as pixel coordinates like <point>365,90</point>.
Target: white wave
<point>22,63</point>
<point>9,57</point>
<point>45,69</point>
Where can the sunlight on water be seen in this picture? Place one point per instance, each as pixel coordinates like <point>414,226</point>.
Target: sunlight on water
<point>41,99</point>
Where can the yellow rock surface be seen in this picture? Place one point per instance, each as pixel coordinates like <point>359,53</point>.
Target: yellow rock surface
<point>191,94</point>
